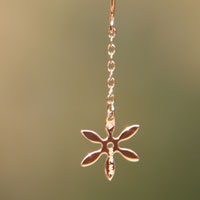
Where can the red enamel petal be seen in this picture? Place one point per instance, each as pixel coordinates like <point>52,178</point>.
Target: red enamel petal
<point>128,132</point>
<point>129,155</point>
<point>91,158</point>
<point>91,136</point>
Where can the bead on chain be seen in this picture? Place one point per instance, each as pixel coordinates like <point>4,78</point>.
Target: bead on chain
<point>111,66</point>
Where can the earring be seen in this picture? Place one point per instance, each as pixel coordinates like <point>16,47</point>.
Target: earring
<point>110,145</point>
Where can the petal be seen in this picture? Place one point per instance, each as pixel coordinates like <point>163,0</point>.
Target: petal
<point>109,169</point>
<point>91,158</point>
<point>129,154</point>
<point>91,136</point>
<point>128,132</point>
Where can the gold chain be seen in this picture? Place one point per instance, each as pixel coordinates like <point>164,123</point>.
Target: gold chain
<point>111,66</point>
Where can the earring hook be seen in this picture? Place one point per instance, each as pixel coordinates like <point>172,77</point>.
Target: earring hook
<point>112,7</point>
<point>112,13</point>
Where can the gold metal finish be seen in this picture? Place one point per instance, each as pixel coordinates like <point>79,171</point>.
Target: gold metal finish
<point>110,145</point>
<point>111,66</point>
<point>112,7</point>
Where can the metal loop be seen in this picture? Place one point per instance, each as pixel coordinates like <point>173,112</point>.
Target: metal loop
<point>110,118</point>
<point>111,82</point>
<point>110,91</point>
<point>111,49</point>
<point>110,108</point>
<point>112,33</point>
<point>111,65</point>
<point>110,99</point>
<point>110,75</point>
<point>110,112</point>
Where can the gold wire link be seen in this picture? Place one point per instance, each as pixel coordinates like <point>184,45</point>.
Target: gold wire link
<point>112,33</point>
<point>111,49</point>
<point>111,99</point>
<point>111,82</point>
<point>111,66</point>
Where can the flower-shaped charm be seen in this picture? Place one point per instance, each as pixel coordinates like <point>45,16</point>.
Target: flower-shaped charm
<point>109,146</point>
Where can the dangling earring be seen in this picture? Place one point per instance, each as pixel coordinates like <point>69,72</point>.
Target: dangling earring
<point>110,145</point>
